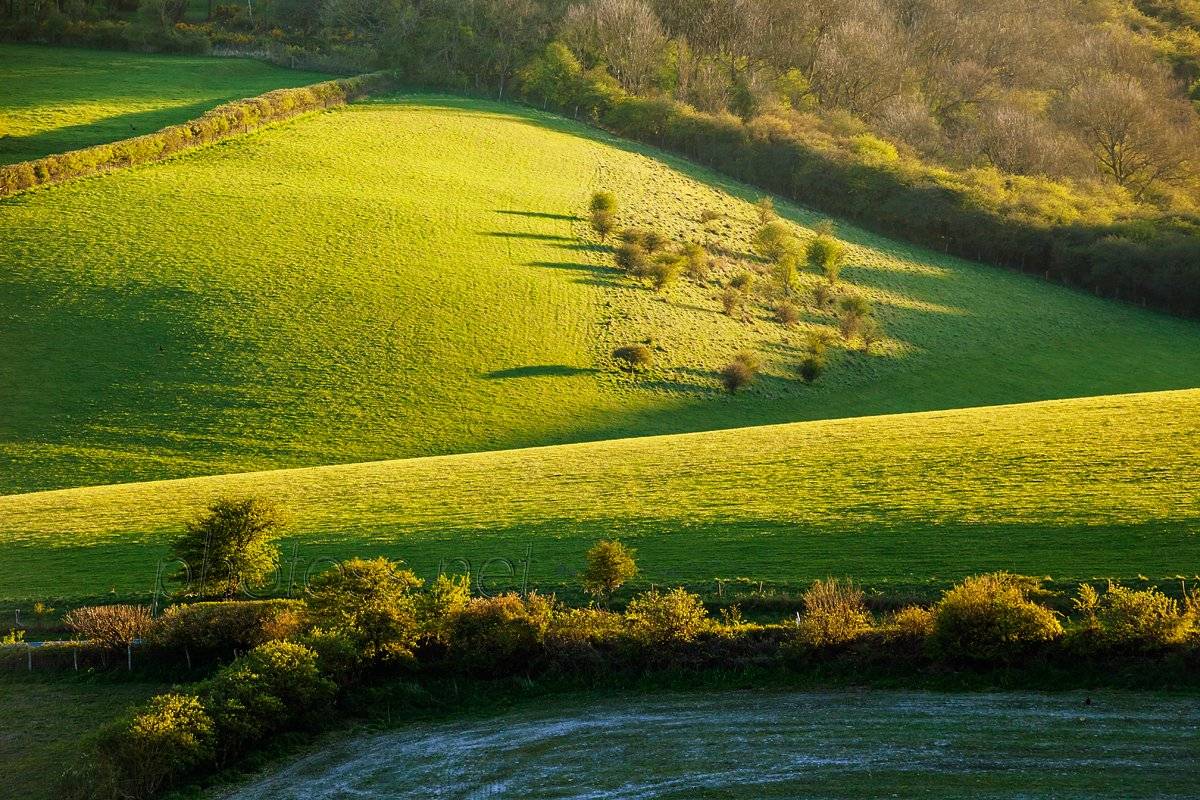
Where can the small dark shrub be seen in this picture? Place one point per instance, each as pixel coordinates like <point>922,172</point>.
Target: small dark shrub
<point>632,258</point>
<point>654,241</point>
<point>812,366</point>
<point>742,282</point>
<point>740,372</point>
<point>733,301</point>
<point>634,356</point>
<point>603,202</point>
<point>787,313</point>
<point>603,223</point>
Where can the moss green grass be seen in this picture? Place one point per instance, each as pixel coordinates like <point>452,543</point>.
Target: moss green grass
<point>1078,489</point>
<point>59,99</point>
<point>412,277</point>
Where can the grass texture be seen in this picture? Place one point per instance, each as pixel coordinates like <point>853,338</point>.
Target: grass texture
<point>413,277</point>
<point>58,99</point>
<point>1077,489</point>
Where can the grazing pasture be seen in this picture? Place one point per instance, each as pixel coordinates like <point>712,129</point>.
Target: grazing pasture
<point>416,276</point>
<point>1077,489</point>
<point>59,99</point>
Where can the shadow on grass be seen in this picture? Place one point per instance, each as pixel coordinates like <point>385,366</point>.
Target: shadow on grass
<point>546,237</point>
<point>540,371</point>
<point>539,214</point>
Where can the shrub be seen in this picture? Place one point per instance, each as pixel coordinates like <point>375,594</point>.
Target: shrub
<point>1124,618</point>
<point>743,282</point>
<point>230,547</point>
<point>372,602</point>
<point>113,627</point>
<point>827,255</point>
<point>631,257</point>
<point>869,332</point>
<point>740,373</point>
<point>272,688</point>
<point>603,223</point>
<point>853,311</point>
<point>733,301</point>
<point>499,635</point>
<point>228,625</point>
<point>910,622</point>
<point>787,313</point>
<point>653,241</point>
<point>634,356</point>
<point>708,215</point>
<point>147,752</point>
<point>665,270</point>
<point>822,295</point>
<point>990,618</point>
<point>775,240</point>
<point>812,366</point>
<point>436,607</point>
<point>603,202</point>
<point>696,260</point>
<point>765,208</point>
<point>834,613</point>
<point>674,616</point>
<point>609,565</point>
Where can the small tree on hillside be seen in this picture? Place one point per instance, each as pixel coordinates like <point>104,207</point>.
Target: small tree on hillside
<point>609,565</point>
<point>603,223</point>
<point>827,254</point>
<point>632,259</point>
<point>775,240</point>
<point>665,270</point>
<point>765,207</point>
<point>853,311</point>
<point>697,261</point>
<point>603,201</point>
<point>741,372</point>
<point>230,547</point>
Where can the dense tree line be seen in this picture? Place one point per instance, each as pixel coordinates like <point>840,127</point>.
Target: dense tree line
<point>1055,136</point>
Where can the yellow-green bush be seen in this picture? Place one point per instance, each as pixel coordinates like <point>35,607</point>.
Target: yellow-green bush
<point>660,617</point>
<point>1125,618</point>
<point>991,619</point>
<point>835,612</point>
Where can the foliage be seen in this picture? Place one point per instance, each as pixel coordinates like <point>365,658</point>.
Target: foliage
<point>632,258</point>
<point>664,270</point>
<point>114,627</point>
<point>501,634</point>
<point>835,612</point>
<point>775,241</point>
<point>1125,618</point>
<point>231,547</point>
<point>787,313</point>
<point>667,617</point>
<point>991,619</point>
<point>371,601</point>
<point>610,564</point>
<point>634,356</point>
<point>226,626</point>
<point>697,261</point>
<point>827,255</point>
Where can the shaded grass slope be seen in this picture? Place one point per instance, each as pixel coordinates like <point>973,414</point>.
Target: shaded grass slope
<point>1076,489</point>
<point>414,277</point>
<point>60,99</point>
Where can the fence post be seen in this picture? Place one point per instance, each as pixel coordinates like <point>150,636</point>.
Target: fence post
<point>29,654</point>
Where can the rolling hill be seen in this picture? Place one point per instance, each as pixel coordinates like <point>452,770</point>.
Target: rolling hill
<point>60,99</point>
<point>413,276</point>
<point>1096,487</point>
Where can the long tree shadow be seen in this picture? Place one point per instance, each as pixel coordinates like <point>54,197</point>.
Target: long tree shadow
<point>538,214</point>
<point>540,371</point>
<point>546,237</point>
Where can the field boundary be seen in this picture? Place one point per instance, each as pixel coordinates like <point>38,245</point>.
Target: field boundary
<point>223,122</point>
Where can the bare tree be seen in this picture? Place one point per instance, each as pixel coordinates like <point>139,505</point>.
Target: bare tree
<point>625,34</point>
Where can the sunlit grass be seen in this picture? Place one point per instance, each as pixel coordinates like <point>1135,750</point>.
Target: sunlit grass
<point>413,277</point>
<point>1092,488</point>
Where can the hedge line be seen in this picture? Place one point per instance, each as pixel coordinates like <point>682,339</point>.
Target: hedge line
<point>222,122</point>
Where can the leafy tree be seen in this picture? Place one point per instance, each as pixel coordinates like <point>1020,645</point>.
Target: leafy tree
<point>372,601</point>
<point>632,258</point>
<point>827,255</point>
<point>231,547</point>
<point>853,311</point>
<point>610,564</point>
<point>667,617</point>
<point>775,241</point>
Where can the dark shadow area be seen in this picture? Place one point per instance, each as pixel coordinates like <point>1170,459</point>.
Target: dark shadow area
<point>540,371</point>
<point>547,237</point>
<point>538,214</point>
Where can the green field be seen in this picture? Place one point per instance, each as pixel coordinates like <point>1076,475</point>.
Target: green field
<point>1072,489</point>
<point>411,277</point>
<point>57,99</point>
<point>42,725</point>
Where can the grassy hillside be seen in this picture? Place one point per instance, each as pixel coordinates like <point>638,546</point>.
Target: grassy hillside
<point>1074,489</point>
<point>59,99</point>
<point>412,277</point>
